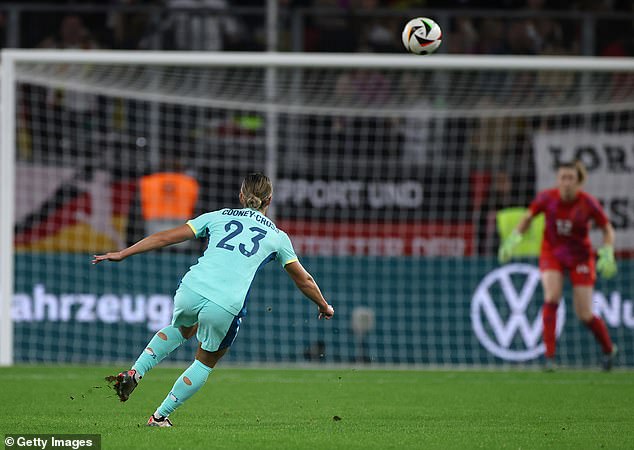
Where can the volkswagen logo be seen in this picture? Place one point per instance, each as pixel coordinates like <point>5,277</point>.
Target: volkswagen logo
<point>502,316</point>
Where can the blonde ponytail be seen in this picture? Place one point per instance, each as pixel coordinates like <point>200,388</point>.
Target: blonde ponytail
<point>252,202</point>
<point>582,173</point>
<point>256,191</point>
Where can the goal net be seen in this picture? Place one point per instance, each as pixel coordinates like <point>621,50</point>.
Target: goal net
<point>395,177</point>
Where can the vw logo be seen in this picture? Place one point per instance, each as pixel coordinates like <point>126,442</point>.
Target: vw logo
<point>500,311</point>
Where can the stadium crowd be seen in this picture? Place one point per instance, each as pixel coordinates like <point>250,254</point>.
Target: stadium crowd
<point>471,26</point>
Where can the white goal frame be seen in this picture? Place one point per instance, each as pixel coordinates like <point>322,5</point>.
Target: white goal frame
<point>270,60</point>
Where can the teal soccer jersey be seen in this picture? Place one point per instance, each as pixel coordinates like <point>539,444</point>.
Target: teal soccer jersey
<point>241,241</point>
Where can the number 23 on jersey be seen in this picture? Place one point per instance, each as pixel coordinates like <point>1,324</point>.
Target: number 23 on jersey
<point>235,228</point>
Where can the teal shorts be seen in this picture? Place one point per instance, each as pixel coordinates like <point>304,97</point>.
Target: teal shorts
<point>217,327</point>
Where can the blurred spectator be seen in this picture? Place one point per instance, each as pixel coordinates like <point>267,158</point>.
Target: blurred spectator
<point>494,136</point>
<point>363,136</point>
<point>364,87</point>
<point>77,110</point>
<point>554,87</point>
<point>337,31</point>
<point>72,34</point>
<point>463,36</point>
<point>547,33</point>
<point>415,129</point>
<point>522,38</point>
<point>212,28</point>
<point>615,37</point>
<point>166,199</point>
<point>491,40</point>
<point>378,36</point>
<point>128,28</point>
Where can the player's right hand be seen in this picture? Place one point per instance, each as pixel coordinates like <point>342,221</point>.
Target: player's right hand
<point>326,313</point>
<point>110,256</point>
<point>506,249</point>
<point>606,265</point>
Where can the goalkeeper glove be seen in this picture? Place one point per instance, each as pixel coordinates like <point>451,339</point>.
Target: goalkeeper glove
<point>606,265</point>
<point>506,249</point>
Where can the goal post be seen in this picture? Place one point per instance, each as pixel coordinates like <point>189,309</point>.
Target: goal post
<point>389,173</point>
<point>7,199</point>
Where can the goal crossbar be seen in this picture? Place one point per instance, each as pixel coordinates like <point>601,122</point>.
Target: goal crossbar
<point>326,60</point>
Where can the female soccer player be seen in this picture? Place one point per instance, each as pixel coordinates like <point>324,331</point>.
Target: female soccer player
<point>566,247</point>
<point>210,300</point>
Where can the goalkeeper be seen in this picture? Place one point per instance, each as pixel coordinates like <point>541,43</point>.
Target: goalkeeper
<point>566,247</point>
<point>211,299</point>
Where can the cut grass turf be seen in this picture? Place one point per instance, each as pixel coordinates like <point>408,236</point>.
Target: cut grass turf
<point>295,408</point>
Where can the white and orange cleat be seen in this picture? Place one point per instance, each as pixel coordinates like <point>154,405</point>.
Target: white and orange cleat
<point>154,421</point>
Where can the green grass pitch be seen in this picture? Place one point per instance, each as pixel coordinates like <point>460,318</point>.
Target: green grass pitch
<point>335,408</point>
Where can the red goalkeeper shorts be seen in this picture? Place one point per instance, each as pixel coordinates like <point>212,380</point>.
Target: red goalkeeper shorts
<point>582,272</point>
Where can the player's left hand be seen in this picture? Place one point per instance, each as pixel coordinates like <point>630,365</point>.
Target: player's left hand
<point>327,313</point>
<point>606,265</point>
<point>110,256</point>
<point>505,251</point>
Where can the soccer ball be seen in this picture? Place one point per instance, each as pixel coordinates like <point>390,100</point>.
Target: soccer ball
<point>422,36</point>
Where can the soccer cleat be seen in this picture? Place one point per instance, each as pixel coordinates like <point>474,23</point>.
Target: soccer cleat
<point>124,384</point>
<point>160,422</point>
<point>608,359</point>
<point>549,365</point>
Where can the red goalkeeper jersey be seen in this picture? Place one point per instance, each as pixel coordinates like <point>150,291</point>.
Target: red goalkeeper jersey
<point>567,224</point>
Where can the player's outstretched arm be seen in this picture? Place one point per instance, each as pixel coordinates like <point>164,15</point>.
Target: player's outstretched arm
<point>506,249</point>
<point>307,284</point>
<point>152,242</point>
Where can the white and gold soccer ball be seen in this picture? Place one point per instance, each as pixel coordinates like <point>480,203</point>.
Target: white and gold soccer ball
<point>422,36</point>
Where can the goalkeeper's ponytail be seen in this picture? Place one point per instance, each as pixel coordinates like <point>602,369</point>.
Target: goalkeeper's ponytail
<point>582,173</point>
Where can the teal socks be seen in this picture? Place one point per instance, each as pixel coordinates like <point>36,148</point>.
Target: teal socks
<point>186,385</point>
<point>162,344</point>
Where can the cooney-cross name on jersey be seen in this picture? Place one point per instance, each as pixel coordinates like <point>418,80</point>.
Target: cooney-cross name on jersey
<point>250,213</point>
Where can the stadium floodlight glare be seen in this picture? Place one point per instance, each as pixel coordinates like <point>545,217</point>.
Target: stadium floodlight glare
<point>388,171</point>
